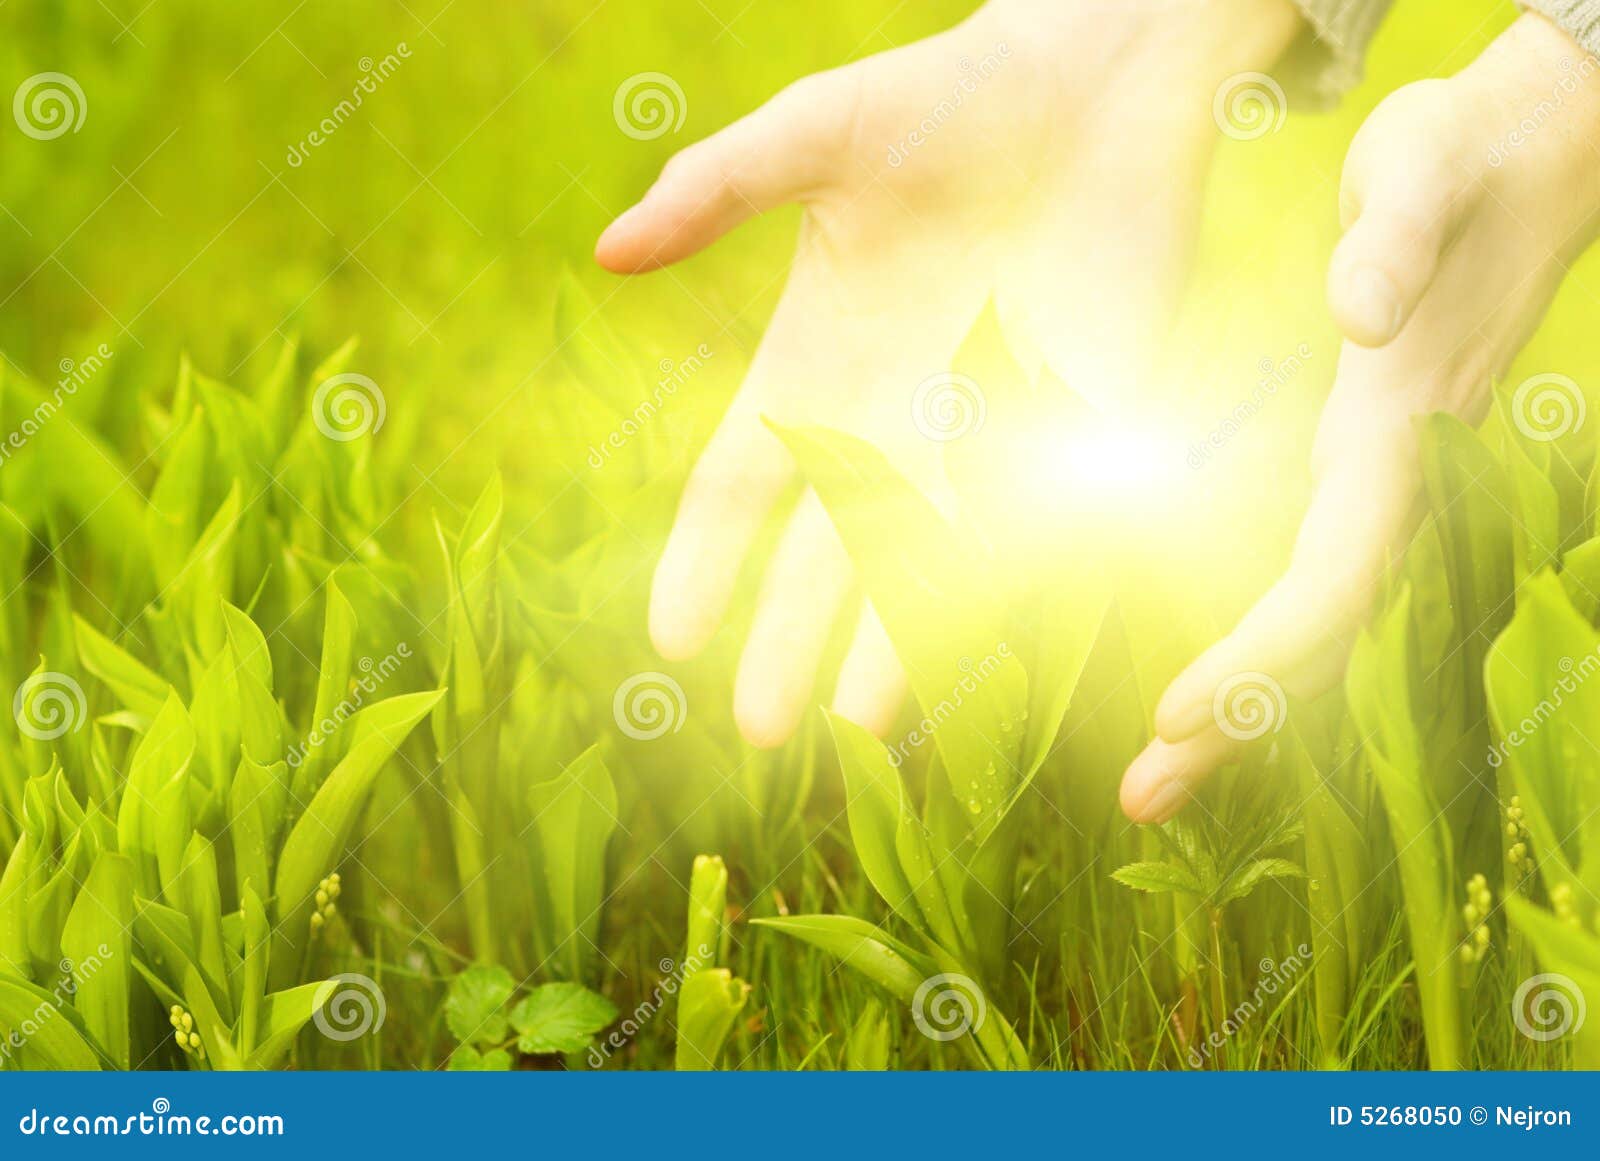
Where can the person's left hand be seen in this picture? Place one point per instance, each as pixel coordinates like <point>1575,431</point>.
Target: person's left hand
<point>1460,226</point>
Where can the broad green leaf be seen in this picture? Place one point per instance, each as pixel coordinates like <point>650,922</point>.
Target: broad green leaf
<point>942,612</point>
<point>97,942</point>
<point>575,814</point>
<point>153,821</point>
<point>53,1039</point>
<point>475,1007</point>
<point>561,1017</point>
<point>708,1004</point>
<point>468,1059</point>
<point>868,949</point>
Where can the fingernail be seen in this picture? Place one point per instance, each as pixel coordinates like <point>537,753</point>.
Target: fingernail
<point>1372,305</point>
<point>1166,802</point>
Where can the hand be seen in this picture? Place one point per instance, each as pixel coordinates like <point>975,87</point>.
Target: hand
<point>1047,152</point>
<point>1460,225</point>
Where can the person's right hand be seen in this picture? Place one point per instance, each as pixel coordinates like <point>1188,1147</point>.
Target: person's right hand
<point>1460,225</point>
<point>1049,153</point>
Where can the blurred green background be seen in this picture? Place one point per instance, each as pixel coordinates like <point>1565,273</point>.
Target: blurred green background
<point>435,221</point>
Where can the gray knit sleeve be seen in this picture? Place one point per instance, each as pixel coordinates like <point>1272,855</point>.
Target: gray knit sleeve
<point>1328,59</point>
<point>1581,18</point>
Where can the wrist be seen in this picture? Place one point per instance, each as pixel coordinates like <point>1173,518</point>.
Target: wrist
<point>1201,40</point>
<point>1535,74</point>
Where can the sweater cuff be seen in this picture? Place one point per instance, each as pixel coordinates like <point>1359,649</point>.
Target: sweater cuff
<point>1580,18</point>
<point>1328,59</point>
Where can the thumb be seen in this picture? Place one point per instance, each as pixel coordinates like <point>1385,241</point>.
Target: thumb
<point>1404,222</point>
<point>780,153</point>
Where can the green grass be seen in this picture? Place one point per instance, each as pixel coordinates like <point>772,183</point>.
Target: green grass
<point>394,658</point>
